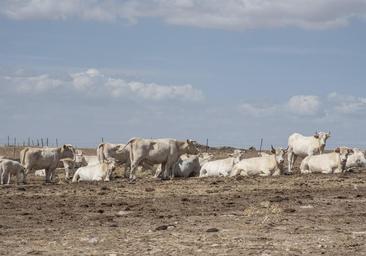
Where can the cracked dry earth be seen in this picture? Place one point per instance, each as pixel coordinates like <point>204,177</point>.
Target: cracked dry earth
<point>287,215</point>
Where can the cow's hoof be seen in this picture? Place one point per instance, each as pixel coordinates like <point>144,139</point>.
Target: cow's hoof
<point>288,173</point>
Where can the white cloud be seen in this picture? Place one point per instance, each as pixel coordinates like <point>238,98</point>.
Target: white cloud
<point>299,105</point>
<point>228,14</point>
<point>33,84</point>
<point>94,83</point>
<point>346,104</point>
<point>304,104</point>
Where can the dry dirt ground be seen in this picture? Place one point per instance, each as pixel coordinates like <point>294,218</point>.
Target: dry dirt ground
<point>286,215</point>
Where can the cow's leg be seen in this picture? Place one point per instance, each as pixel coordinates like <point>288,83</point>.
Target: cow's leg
<point>290,155</point>
<point>158,172</point>
<point>48,174</point>
<point>163,172</point>
<point>5,177</point>
<point>134,164</point>
<point>1,176</point>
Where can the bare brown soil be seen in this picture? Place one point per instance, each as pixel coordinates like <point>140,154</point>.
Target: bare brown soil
<point>286,215</point>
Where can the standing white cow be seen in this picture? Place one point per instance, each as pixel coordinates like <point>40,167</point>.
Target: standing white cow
<point>158,151</point>
<point>45,158</point>
<point>334,162</point>
<point>10,168</point>
<point>96,172</point>
<point>357,159</point>
<point>266,165</point>
<point>299,145</point>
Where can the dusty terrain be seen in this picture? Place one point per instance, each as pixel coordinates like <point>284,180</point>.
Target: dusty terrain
<point>287,215</point>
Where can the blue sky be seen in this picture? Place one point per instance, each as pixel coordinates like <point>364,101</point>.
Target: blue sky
<point>230,71</point>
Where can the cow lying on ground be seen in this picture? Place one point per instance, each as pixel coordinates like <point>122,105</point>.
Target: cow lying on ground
<point>220,167</point>
<point>266,165</point>
<point>299,145</point>
<point>334,162</point>
<point>10,168</point>
<point>97,172</point>
<point>357,159</point>
<point>158,151</point>
<point>45,158</point>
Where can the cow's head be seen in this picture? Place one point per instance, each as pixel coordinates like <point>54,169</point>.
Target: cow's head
<point>112,165</point>
<point>343,152</point>
<point>68,151</point>
<point>279,154</point>
<point>359,157</point>
<point>190,147</point>
<point>322,138</point>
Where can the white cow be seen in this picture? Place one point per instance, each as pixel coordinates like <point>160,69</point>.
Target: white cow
<point>299,145</point>
<point>266,165</point>
<point>221,167</point>
<point>10,168</point>
<point>334,162</point>
<point>45,158</point>
<point>158,151</point>
<point>357,159</point>
<point>97,172</point>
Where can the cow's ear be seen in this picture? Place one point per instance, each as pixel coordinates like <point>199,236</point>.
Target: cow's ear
<point>351,151</point>
<point>273,150</point>
<point>316,136</point>
<point>64,146</point>
<point>337,150</point>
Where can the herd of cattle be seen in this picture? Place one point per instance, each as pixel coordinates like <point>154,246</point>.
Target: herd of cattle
<point>173,158</point>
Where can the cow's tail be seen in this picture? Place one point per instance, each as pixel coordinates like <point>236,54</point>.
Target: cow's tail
<point>23,153</point>
<point>131,150</point>
<point>100,153</point>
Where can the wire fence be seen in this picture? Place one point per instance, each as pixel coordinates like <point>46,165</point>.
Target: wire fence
<point>245,143</point>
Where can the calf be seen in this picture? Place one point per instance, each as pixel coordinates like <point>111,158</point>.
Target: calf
<point>334,162</point>
<point>10,168</point>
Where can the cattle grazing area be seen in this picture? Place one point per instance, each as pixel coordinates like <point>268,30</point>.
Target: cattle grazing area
<point>296,214</point>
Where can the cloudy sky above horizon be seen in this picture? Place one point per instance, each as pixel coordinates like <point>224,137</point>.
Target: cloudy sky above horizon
<point>231,71</point>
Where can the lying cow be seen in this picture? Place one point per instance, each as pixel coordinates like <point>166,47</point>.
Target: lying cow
<point>357,159</point>
<point>299,145</point>
<point>220,167</point>
<point>266,165</point>
<point>45,158</point>
<point>10,168</point>
<point>97,172</point>
<point>334,162</point>
<point>158,151</point>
